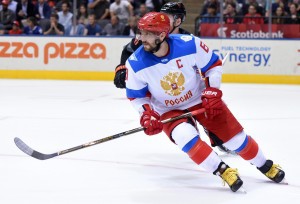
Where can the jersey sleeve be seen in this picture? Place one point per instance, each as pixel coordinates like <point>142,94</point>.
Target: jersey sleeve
<point>129,48</point>
<point>136,89</point>
<point>209,64</point>
<point>125,54</point>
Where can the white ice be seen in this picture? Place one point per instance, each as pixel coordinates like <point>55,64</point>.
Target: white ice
<point>136,169</point>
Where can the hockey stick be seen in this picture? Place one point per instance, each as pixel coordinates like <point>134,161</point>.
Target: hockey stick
<point>35,154</point>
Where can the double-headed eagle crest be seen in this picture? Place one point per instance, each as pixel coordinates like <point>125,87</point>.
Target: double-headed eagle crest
<point>173,83</point>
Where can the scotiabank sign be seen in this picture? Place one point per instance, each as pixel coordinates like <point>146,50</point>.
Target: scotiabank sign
<point>249,31</point>
<point>59,53</point>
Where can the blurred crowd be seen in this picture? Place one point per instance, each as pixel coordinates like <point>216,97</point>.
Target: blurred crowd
<point>251,11</point>
<point>119,17</point>
<point>84,18</point>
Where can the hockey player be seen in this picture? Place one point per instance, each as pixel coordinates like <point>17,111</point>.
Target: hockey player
<point>176,13</point>
<point>164,81</point>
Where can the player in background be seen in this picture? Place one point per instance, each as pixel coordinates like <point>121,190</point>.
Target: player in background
<point>164,81</point>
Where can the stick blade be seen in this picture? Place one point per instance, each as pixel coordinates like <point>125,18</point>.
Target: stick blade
<point>31,152</point>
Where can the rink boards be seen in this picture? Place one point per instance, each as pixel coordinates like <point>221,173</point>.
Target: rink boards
<point>95,58</point>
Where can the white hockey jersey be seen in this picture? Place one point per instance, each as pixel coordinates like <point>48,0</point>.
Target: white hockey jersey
<point>173,81</point>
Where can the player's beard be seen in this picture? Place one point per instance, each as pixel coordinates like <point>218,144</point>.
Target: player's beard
<point>152,47</point>
<point>149,47</point>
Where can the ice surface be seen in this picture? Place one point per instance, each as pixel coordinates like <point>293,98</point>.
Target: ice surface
<point>54,115</point>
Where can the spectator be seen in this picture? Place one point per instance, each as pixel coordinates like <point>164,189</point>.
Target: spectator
<point>279,16</point>
<point>279,3</point>
<point>42,10</point>
<point>297,3</point>
<point>101,10</point>
<point>42,13</point>
<point>237,6</point>
<point>115,27</point>
<point>230,14</point>
<point>259,9</point>
<point>15,29</point>
<point>154,5</point>
<point>7,17</point>
<point>142,10</point>
<point>2,31</point>
<point>131,28</point>
<point>83,13</point>
<point>58,6</point>
<point>122,9</point>
<point>252,17</point>
<point>32,27</point>
<point>79,29</point>
<point>25,9</point>
<point>209,2</point>
<point>54,28</point>
<point>211,16</point>
<point>65,17</point>
<point>293,17</point>
<point>51,3</point>
<point>93,28</point>
<point>12,5</point>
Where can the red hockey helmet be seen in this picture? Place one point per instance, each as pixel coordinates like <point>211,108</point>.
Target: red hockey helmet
<point>155,22</point>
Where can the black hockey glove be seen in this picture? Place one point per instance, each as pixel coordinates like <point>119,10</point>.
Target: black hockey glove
<point>120,76</point>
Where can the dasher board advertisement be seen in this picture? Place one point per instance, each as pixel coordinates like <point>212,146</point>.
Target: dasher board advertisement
<point>60,53</point>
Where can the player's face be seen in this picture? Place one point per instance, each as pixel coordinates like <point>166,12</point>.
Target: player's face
<point>148,39</point>
<point>174,23</point>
